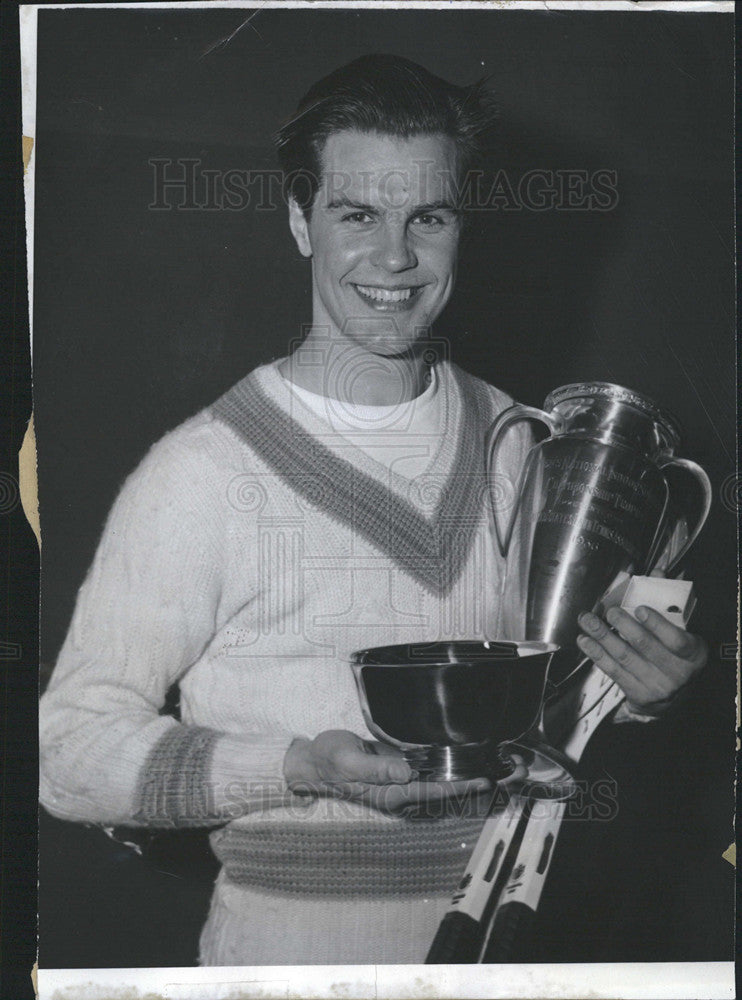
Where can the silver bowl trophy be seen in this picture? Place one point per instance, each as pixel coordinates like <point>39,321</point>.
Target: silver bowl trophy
<point>599,506</point>
<point>449,706</point>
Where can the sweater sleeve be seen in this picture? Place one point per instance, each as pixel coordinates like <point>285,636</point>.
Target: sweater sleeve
<point>145,613</point>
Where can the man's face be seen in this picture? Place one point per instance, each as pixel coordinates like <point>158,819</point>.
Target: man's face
<point>383,237</point>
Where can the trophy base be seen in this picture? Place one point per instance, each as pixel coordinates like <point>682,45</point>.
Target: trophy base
<point>460,762</point>
<point>550,773</point>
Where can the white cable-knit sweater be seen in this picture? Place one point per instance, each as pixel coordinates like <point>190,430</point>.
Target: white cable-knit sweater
<point>256,547</point>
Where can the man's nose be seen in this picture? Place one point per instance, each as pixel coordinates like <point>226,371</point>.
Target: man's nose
<point>393,251</point>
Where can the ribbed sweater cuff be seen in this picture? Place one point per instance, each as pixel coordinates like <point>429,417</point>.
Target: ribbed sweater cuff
<point>195,776</point>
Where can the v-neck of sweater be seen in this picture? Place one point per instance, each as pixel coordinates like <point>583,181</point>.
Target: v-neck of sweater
<point>429,539</point>
<point>402,435</point>
<point>304,420</point>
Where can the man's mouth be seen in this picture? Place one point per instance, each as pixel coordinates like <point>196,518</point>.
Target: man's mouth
<point>388,299</point>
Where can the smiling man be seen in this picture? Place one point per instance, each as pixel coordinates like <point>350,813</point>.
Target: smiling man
<point>383,252</point>
<point>333,500</point>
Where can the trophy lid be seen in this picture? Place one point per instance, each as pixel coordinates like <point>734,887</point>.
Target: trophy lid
<point>618,393</point>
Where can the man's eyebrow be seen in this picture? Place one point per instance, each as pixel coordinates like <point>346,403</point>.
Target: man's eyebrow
<point>356,206</point>
<point>341,202</point>
<point>436,206</point>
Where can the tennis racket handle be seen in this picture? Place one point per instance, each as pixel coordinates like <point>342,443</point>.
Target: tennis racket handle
<point>457,942</point>
<point>512,923</point>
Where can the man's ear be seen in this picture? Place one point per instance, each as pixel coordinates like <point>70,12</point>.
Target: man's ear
<point>300,228</point>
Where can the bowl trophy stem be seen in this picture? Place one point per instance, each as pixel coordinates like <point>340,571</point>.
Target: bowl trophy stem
<point>460,762</point>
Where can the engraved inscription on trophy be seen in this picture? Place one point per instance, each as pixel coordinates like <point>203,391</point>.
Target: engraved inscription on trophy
<point>595,518</point>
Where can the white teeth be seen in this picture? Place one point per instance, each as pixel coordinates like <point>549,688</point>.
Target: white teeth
<point>385,294</point>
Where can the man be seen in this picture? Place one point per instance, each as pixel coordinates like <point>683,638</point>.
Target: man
<point>331,501</point>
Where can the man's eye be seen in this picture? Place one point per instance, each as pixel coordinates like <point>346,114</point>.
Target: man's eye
<point>428,221</point>
<point>359,218</point>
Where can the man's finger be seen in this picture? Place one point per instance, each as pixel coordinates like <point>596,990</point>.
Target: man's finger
<point>520,773</point>
<point>644,641</point>
<point>606,643</point>
<point>437,793</point>
<point>633,687</point>
<point>356,763</point>
<point>676,639</point>
<point>377,749</point>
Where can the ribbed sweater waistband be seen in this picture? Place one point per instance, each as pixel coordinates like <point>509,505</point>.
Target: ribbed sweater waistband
<point>347,860</point>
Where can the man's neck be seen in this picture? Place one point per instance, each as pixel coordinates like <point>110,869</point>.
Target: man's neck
<point>354,375</point>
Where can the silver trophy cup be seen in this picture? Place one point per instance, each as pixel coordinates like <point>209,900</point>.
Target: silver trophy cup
<point>602,495</point>
<point>451,706</point>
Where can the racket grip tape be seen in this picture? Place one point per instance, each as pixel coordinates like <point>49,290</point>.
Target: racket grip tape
<point>458,941</point>
<point>509,929</point>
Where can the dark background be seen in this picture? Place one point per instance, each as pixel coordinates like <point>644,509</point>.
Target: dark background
<point>19,558</point>
<point>142,317</point>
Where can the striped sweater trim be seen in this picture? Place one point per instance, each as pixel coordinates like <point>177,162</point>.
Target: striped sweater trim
<point>174,784</point>
<point>433,551</point>
<point>346,860</point>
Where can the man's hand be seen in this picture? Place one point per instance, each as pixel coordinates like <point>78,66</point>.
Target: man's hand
<point>339,764</point>
<point>652,660</point>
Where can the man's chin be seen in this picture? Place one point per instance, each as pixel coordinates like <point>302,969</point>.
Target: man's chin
<point>389,343</point>
<point>391,349</point>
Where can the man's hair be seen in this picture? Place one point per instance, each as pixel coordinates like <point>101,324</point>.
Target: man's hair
<point>388,95</point>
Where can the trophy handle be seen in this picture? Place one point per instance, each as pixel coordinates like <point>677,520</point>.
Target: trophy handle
<point>492,442</point>
<point>705,485</point>
<point>654,550</point>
